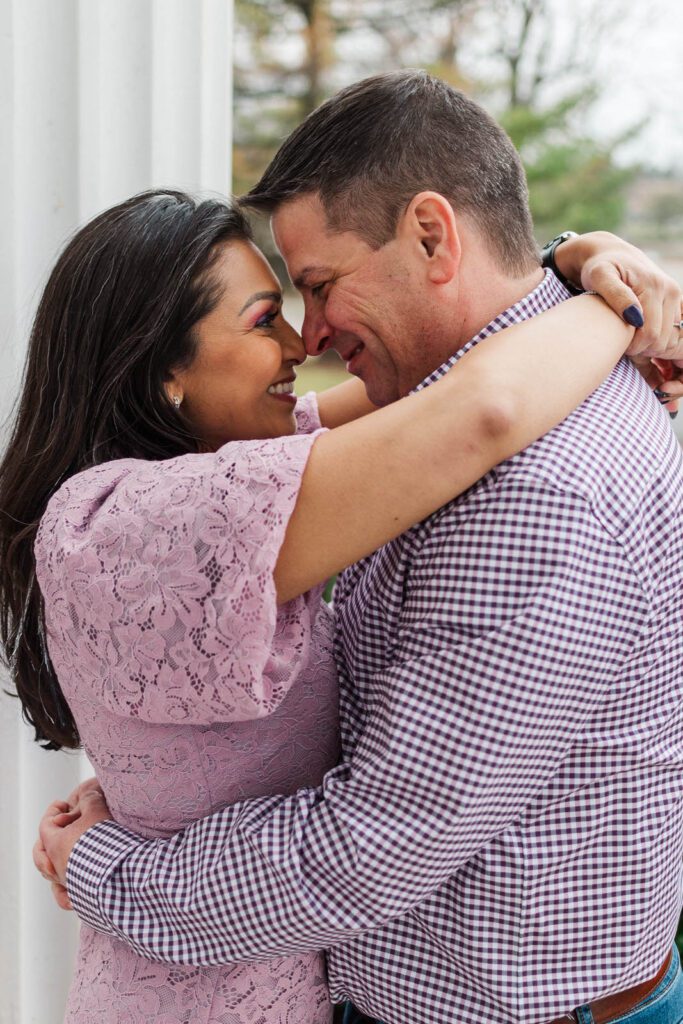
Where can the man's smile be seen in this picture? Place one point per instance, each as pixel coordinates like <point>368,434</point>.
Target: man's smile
<point>350,354</point>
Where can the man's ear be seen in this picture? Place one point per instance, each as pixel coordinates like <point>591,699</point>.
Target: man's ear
<point>429,227</point>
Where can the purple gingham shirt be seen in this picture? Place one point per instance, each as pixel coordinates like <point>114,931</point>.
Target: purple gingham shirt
<point>503,840</point>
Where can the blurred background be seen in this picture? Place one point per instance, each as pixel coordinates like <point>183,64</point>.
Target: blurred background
<point>100,99</point>
<point>589,91</point>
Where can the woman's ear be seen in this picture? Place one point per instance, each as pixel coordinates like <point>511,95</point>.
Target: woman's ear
<point>173,388</point>
<point>429,228</point>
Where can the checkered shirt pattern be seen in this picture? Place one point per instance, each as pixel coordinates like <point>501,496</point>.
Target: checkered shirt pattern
<point>504,838</point>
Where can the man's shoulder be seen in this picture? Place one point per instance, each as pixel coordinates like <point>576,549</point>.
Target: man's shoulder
<point>605,457</point>
<point>593,475</point>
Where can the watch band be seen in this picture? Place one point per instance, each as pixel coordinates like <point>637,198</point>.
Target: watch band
<point>548,260</point>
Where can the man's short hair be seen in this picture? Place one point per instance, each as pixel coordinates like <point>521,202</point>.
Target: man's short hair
<point>373,146</point>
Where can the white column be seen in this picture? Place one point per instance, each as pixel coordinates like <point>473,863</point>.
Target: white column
<point>191,93</point>
<point>215,167</point>
<point>44,139</point>
<point>99,99</point>
<point>115,152</point>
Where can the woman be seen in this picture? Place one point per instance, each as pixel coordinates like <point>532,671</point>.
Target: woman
<point>179,531</point>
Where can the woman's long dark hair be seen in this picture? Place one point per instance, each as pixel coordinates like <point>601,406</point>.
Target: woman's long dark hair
<point>115,319</point>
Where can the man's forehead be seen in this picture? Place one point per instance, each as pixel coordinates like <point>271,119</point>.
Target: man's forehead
<point>308,256</point>
<point>308,273</point>
<point>289,216</point>
<point>309,246</point>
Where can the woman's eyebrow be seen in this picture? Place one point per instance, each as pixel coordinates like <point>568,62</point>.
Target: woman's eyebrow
<point>275,296</point>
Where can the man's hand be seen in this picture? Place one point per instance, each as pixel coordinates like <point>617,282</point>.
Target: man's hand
<point>62,825</point>
<point>640,292</point>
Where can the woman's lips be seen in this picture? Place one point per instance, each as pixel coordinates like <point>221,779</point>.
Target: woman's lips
<point>289,399</point>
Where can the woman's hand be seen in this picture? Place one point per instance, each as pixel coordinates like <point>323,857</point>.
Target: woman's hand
<point>62,825</point>
<point>640,292</point>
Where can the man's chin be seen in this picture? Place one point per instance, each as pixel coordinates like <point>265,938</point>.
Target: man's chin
<point>379,392</point>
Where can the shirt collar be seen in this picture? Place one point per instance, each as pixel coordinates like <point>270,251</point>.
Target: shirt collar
<point>548,293</point>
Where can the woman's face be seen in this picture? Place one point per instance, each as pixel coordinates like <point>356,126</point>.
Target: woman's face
<point>241,381</point>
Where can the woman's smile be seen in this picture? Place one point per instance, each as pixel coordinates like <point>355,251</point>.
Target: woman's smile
<point>284,390</point>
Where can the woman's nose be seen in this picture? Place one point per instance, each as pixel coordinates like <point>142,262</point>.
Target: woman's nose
<point>293,347</point>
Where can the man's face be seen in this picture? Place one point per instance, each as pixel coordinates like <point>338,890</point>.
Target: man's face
<point>370,305</point>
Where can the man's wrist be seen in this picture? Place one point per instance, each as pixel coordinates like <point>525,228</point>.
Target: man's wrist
<point>93,858</point>
<point>565,256</point>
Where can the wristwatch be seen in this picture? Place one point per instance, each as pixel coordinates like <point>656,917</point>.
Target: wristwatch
<point>548,260</point>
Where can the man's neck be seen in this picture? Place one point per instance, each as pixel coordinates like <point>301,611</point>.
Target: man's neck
<point>473,308</point>
<point>481,305</point>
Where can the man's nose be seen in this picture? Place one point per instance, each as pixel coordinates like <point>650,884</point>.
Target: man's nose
<point>316,333</point>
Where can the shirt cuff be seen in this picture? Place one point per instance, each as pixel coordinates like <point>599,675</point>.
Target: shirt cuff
<point>96,854</point>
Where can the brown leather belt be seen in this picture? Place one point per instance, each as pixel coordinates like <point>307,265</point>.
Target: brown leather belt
<point>606,1009</point>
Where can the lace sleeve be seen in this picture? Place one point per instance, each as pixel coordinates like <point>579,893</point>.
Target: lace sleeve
<point>306,413</point>
<point>158,582</point>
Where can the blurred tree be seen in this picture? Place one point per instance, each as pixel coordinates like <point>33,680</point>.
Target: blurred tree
<point>283,50</point>
<point>291,54</point>
<point>533,65</point>
<point>546,90</point>
<point>573,179</point>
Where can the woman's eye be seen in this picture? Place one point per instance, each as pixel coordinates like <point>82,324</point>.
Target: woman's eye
<point>267,319</point>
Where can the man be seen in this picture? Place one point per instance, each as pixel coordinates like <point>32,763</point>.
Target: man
<point>503,840</point>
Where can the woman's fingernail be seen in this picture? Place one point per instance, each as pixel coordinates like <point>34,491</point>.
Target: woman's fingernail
<point>673,415</point>
<point>662,396</point>
<point>633,315</point>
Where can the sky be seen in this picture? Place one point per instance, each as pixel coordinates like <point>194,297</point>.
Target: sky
<point>641,70</point>
<point>643,74</point>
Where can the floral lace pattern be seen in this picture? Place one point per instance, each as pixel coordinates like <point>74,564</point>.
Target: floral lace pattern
<point>191,688</point>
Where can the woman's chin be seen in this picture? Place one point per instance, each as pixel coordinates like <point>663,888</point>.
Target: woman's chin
<point>289,426</point>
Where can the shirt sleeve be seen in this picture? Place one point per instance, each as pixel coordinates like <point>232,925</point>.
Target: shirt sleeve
<point>158,583</point>
<point>507,645</point>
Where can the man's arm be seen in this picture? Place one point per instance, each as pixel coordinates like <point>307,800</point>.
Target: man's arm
<point>506,644</point>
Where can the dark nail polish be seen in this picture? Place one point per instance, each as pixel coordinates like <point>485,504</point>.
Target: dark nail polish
<point>662,396</point>
<point>673,415</point>
<point>633,316</point>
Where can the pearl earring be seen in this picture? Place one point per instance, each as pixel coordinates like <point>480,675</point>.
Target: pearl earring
<point>176,401</point>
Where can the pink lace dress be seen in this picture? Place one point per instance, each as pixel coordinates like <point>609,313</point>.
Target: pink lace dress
<point>190,687</point>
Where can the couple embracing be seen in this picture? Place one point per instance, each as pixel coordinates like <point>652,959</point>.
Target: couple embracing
<point>460,799</point>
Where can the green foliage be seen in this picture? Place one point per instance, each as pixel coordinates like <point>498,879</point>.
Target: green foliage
<point>327,594</point>
<point>573,179</point>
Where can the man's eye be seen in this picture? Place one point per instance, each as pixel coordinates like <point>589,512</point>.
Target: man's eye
<point>317,290</point>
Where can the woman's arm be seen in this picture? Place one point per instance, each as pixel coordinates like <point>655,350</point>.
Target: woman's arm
<point>368,481</point>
